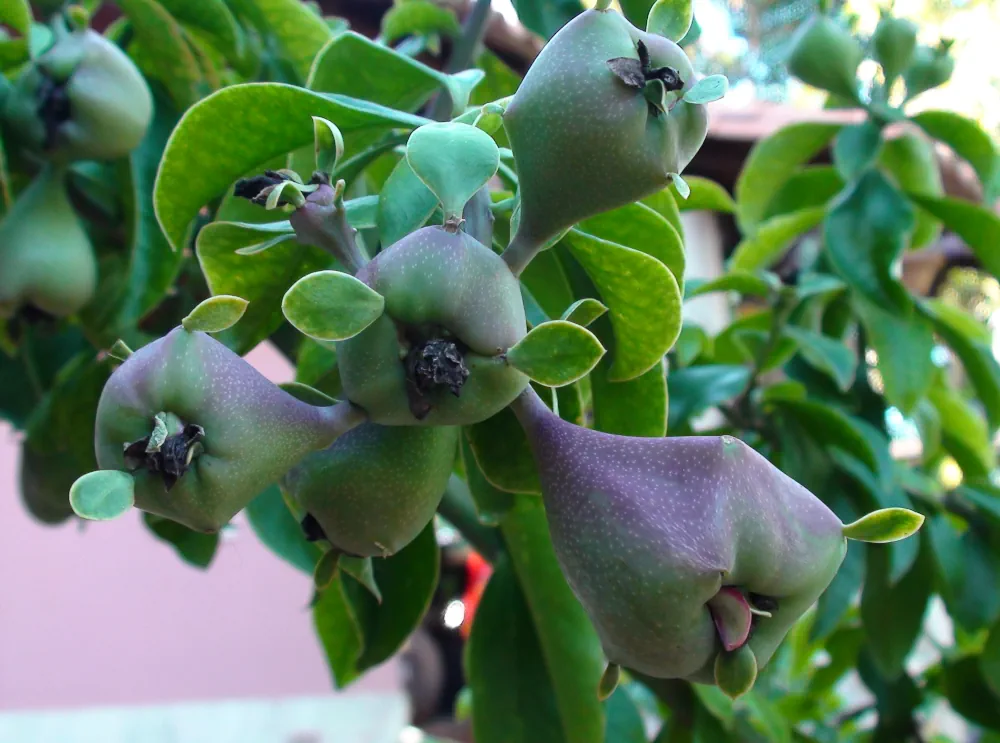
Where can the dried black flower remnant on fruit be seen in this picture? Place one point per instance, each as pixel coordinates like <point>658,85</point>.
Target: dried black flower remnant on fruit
<point>171,459</point>
<point>437,363</point>
<point>637,72</point>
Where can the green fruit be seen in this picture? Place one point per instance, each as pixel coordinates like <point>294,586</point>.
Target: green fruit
<point>894,40</point>
<point>376,487</point>
<point>46,259</point>
<point>679,548</point>
<point>929,69</point>
<point>45,482</point>
<point>584,140</point>
<point>435,357</point>
<point>825,55</point>
<point>230,432</point>
<point>910,161</point>
<point>83,99</point>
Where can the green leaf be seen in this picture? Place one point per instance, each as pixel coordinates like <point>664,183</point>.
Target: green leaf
<point>706,90</point>
<point>965,564</point>
<point>831,427</point>
<point>546,279</point>
<point>643,228</point>
<point>828,355</point>
<point>545,17</point>
<point>262,277</point>
<point>418,18</point>
<point>744,282</point>
<point>331,306</point>
<point>965,137</point>
<point>885,525</point>
<point>556,353</point>
<point>407,581</point>
<point>664,203</point>
<point>969,694</point>
<point>17,15</point>
<point>810,187</point>
<point>989,661</point>
<point>326,569</point>
<point>194,547</point>
<point>453,161</point>
<point>771,162</point>
<point>865,232</point>
<point>337,627</point>
<point>276,527</point>
<point>971,342</point>
<point>977,226</point>
<point>234,131</point>
<point>893,614</point>
<point>671,19</point>
<point>405,204</point>
<point>772,238</point>
<point>102,495</point>
<point>856,148</point>
<point>643,300</point>
<point>624,721</point>
<point>215,314</point>
<point>707,195</point>
<point>836,601</point>
<point>965,433</point>
<point>362,570</point>
<point>165,54</point>
<point>491,502</point>
<point>328,144</point>
<point>584,311</point>
<point>903,346</point>
<point>697,388</point>
<point>512,691</point>
<point>299,32</point>
<point>568,641</point>
<point>912,165</point>
<point>736,672</point>
<point>503,454</point>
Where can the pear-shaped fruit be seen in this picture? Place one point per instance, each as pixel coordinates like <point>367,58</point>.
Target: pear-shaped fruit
<point>202,431</point>
<point>45,482</point>
<point>375,488</point>
<point>598,122</point>
<point>680,548</point>
<point>83,99</point>
<point>894,42</point>
<point>435,356</point>
<point>825,55</point>
<point>46,259</point>
<point>929,68</point>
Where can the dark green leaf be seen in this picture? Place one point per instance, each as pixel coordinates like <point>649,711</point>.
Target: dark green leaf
<point>828,355</point>
<point>865,232</point>
<point>966,563</point>
<point>965,137</point>
<point>989,662</point>
<point>339,633</point>
<point>743,282</point>
<point>545,17</point>
<point>331,305</point>
<point>624,723</point>
<point>405,204</point>
<point>194,547</point>
<point>964,431</point>
<point>706,195</point>
<point>697,388</point>
<point>831,427</point>
<point>976,225</point>
<point>214,20</point>
<point>300,32</point>
<point>502,452</point>
<point>856,148</point>
<point>165,54</point>
<point>811,187</point>
<point>772,238</point>
<point>275,526</point>
<point>969,694</point>
<point>547,281</point>
<point>491,502</point>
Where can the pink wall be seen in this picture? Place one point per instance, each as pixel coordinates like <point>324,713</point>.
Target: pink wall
<point>104,614</point>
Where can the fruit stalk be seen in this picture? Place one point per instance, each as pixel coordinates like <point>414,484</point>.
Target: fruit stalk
<point>322,221</point>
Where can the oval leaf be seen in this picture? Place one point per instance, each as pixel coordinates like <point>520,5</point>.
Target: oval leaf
<point>453,160</point>
<point>706,90</point>
<point>885,525</point>
<point>404,204</point>
<point>977,226</point>
<point>102,495</point>
<point>215,314</point>
<point>670,18</point>
<point>331,306</point>
<point>743,282</point>
<point>584,311</point>
<point>326,569</point>
<point>706,195</point>
<point>228,134</point>
<point>772,238</point>
<point>965,137</point>
<point>556,353</point>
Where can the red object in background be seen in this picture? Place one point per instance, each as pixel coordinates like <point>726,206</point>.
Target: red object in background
<point>478,572</point>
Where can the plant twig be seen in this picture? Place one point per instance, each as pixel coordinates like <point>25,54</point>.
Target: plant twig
<point>322,221</point>
<point>463,52</point>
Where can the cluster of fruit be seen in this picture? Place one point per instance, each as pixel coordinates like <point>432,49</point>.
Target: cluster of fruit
<point>693,556</point>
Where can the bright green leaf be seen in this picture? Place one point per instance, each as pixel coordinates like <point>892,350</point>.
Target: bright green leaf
<point>102,495</point>
<point>165,54</point>
<point>337,627</point>
<point>671,19</point>
<point>965,433</point>
<point>331,306</point>
<point>708,196</point>
<point>328,144</point>
<point>813,186</point>
<point>17,15</point>
<point>976,225</point>
<point>214,19</point>
<point>215,314</point>
<point>744,282</point>
<point>418,18</point>
<point>556,353</point>
<point>965,137</point>
<point>772,238</point>
<point>912,165</point>
<point>299,31</point>
<point>885,525</point>
<point>453,161</point>
<point>362,570</point>
<point>584,311</point>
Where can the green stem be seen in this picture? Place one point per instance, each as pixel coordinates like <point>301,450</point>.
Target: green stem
<point>463,53</point>
<point>519,253</point>
<point>458,508</point>
<point>782,311</point>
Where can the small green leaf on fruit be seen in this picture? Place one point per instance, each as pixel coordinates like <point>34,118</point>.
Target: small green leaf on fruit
<point>360,568</point>
<point>102,495</point>
<point>215,314</point>
<point>708,89</point>
<point>885,525</point>
<point>326,569</point>
<point>556,353</point>
<point>159,434</point>
<point>683,189</point>
<point>736,671</point>
<point>453,161</point>
<point>331,306</point>
<point>584,311</point>
<point>460,86</point>
<point>670,18</point>
<point>329,144</point>
<point>489,118</point>
<point>609,681</point>
<point>120,350</point>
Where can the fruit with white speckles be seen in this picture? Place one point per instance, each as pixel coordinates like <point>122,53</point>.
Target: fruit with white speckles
<point>46,259</point>
<point>584,139</point>
<point>225,432</point>
<point>375,488</point>
<point>435,356</point>
<point>680,548</point>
